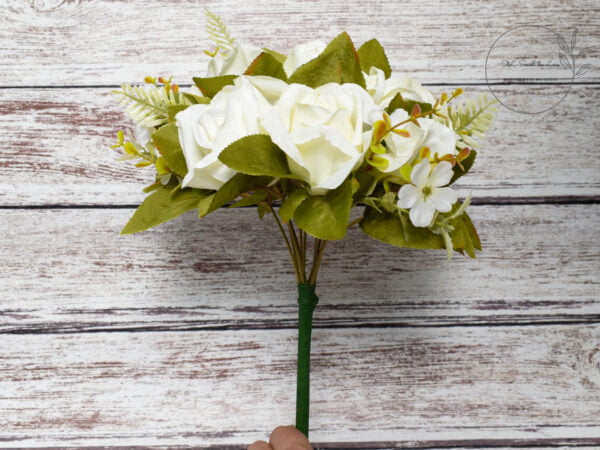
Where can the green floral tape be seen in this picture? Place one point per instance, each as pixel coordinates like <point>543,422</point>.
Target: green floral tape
<point>307,300</point>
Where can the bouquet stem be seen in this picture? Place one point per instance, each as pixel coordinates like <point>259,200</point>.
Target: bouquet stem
<point>296,244</point>
<point>307,300</point>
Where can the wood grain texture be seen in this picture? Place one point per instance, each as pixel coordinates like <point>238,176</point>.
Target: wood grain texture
<point>56,150</point>
<point>407,386</point>
<point>75,42</point>
<point>185,335</point>
<point>69,270</point>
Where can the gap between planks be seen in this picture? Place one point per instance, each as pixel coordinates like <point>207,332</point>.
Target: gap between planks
<point>555,200</point>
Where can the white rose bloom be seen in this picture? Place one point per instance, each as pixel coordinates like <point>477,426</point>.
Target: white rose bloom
<point>384,90</point>
<point>322,131</point>
<point>206,129</point>
<point>143,134</point>
<point>401,150</point>
<point>426,195</point>
<point>236,63</point>
<point>301,54</point>
<point>439,138</point>
<point>271,88</point>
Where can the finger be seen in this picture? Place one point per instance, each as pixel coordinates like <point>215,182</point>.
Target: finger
<point>288,438</point>
<point>260,445</point>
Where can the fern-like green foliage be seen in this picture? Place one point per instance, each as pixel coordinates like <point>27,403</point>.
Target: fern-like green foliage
<point>148,105</point>
<point>217,31</point>
<point>471,119</point>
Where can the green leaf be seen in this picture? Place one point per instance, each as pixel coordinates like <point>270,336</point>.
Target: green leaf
<point>400,232</point>
<point>371,54</point>
<point>262,209</point>
<point>195,99</point>
<point>266,64</point>
<point>154,186</point>
<point>366,182</point>
<point>388,202</point>
<point>388,228</point>
<point>210,86</point>
<point>256,155</point>
<point>467,164</point>
<point>371,202</point>
<point>472,231</point>
<point>464,236</point>
<point>338,63</point>
<point>253,199</point>
<point>238,184</point>
<point>217,31</point>
<point>326,216</point>
<point>161,206</point>
<point>166,140</point>
<point>172,111</point>
<point>406,105</point>
<point>291,202</point>
<point>278,56</point>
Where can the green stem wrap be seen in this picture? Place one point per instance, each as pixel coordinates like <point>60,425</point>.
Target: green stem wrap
<point>307,300</point>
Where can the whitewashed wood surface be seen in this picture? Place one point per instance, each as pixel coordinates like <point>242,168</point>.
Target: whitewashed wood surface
<point>185,335</point>
<point>376,386</point>
<point>79,274</point>
<point>56,150</point>
<point>104,42</point>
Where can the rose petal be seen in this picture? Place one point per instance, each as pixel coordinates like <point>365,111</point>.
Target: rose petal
<point>301,54</point>
<point>271,88</point>
<point>235,63</point>
<point>439,138</point>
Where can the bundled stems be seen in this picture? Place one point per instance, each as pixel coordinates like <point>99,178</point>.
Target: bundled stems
<point>307,300</point>
<point>296,243</point>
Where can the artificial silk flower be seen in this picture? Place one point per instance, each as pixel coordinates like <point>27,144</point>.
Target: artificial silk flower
<point>235,62</point>
<point>437,137</point>
<point>403,149</point>
<point>301,54</point>
<point>292,143</point>
<point>143,134</point>
<point>384,90</point>
<point>322,131</point>
<point>271,88</point>
<point>426,195</point>
<point>206,129</point>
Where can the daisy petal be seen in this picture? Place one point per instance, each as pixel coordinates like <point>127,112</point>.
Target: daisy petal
<point>443,198</point>
<point>407,196</point>
<point>442,174</point>
<point>421,214</point>
<point>420,173</point>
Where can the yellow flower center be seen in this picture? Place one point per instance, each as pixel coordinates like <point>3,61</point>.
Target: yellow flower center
<point>427,191</point>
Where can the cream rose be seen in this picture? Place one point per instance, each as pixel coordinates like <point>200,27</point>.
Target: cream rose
<point>322,131</point>
<point>206,129</point>
<point>235,63</point>
<point>301,54</point>
<point>401,150</point>
<point>384,90</point>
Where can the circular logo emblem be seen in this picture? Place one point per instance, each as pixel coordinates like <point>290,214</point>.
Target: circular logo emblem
<point>530,68</point>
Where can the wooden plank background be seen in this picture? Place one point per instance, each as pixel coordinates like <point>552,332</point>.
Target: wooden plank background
<point>185,335</point>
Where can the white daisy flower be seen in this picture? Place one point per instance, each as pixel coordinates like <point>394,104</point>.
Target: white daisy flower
<point>426,195</point>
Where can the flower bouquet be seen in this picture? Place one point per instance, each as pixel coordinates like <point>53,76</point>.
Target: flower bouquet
<point>305,138</point>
